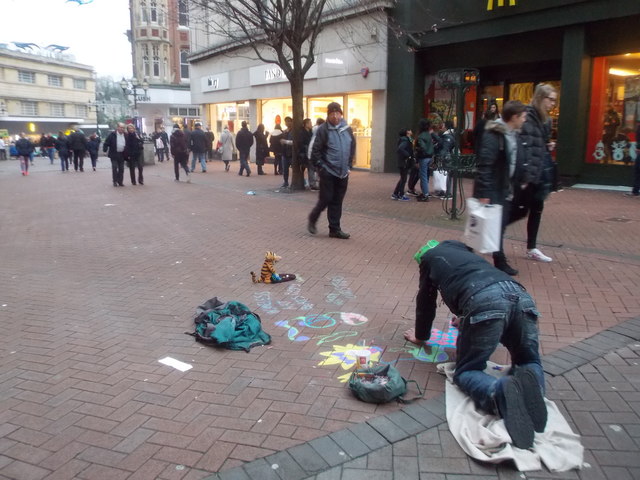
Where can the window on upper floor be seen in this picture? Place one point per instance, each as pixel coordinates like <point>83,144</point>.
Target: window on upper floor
<point>28,108</point>
<point>183,13</point>
<point>156,66</point>
<point>144,11</point>
<point>55,80</point>
<point>184,64</point>
<point>57,109</point>
<point>82,111</point>
<point>26,77</point>
<point>80,83</point>
<point>154,11</point>
<point>146,66</point>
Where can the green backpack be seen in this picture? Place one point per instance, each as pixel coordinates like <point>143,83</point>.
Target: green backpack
<point>380,384</point>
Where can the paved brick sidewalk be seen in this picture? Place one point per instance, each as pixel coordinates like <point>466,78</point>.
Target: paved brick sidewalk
<point>600,399</point>
<point>98,283</point>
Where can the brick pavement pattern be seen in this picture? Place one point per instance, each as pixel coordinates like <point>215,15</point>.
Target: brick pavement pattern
<point>98,283</point>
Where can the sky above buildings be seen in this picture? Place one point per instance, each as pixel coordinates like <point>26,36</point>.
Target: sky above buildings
<point>95,32</point>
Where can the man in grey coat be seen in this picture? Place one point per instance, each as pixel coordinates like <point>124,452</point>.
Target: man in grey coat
<point>332,153</point>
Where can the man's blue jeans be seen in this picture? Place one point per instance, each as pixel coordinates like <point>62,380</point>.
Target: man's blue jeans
<point>501,313</point>
<point>244,162</point>
<point>202,156</point>
<point>423,164</point>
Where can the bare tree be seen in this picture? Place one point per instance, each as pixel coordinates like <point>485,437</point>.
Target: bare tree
<point>281,32</point>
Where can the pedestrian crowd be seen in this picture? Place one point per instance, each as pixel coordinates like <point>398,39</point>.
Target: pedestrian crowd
<point>72,148</point>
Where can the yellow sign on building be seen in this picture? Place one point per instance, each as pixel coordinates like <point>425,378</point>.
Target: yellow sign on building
<point>500,3</point>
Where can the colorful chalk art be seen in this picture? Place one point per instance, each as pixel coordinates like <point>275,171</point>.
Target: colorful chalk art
<point>307,328</point>
<point>343,325</point>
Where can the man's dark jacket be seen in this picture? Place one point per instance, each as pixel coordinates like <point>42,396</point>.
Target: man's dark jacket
<point>453,269</point>
<point>110,145</point>
<point>198,141</point>
<point>24,146</point>
<point>244,140</point>
<point>77,141</point>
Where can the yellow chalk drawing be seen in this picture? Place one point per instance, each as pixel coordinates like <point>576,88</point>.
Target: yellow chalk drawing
<point>343,355</point>
<point>500,3</point>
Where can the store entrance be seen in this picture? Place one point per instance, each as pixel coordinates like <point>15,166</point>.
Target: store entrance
<point>492,95</point>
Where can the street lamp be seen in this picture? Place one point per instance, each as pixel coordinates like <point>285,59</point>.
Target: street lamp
<point>130,87</point>
<point>99,106</point>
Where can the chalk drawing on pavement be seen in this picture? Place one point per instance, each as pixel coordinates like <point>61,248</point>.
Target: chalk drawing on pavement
<point>320,321</point>
<point>344,355</point>
<point>341,292</point>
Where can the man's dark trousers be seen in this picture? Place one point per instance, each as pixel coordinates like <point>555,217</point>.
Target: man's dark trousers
<point>117,168</point>
<point>330,196</point>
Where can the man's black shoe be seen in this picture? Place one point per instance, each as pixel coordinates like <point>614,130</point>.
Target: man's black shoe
<point>339,234</point>
<point>506,268</point>
<point>311,227</point>
<point>534,398</point>
<point>512,408</point>
<point>422,198</point>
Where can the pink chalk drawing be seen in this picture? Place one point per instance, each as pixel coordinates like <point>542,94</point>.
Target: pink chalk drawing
<point>444,339</point>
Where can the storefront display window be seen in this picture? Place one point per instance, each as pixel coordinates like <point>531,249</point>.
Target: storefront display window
<point>615,109</point>
<point>227,114</point>
<point>358,114</point>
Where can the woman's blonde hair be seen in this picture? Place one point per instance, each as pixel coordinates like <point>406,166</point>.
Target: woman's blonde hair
<point>541,92</point>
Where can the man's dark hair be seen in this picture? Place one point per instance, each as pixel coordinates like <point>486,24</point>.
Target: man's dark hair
<point>511,108</point>
<point>448,125</point>
<point>424,125</point>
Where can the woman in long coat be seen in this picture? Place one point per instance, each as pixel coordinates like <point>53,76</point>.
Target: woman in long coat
<point>227,147</point>
<point>262,147</point>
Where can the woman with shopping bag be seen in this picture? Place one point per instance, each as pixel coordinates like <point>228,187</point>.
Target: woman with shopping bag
<point>501,153</point>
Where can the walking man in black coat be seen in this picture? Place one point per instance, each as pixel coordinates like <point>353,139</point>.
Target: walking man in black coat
<point>244,141</point>
<point>114,147</point>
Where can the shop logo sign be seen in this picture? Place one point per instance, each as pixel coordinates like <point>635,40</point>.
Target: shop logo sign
<point>500,3</point>
<point>212,82</point>
<point>274,73</point>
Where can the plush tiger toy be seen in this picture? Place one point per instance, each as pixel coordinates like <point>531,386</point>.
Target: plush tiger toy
<point>268,272</point>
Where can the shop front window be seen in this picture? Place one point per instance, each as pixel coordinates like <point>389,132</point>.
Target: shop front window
<point>615,110</point>
<point>358,114</point>
<point>274,111</point>
<point>230,115</point>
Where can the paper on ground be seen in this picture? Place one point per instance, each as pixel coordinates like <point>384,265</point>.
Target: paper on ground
<point>177,364</point>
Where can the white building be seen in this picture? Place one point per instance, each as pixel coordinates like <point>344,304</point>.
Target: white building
<point>160,38</point>
<point>232,85</point>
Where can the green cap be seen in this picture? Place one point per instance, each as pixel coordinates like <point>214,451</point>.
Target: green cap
<point>430,244</point>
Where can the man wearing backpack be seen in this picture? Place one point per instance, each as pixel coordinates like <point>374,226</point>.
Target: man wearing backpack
<point>492,309</point>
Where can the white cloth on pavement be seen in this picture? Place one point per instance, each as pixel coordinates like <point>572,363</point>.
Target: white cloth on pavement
<point>484,437</point>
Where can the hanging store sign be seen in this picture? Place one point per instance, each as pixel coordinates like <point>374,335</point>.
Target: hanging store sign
<point>500,3</point>
<point>213,83</point>
<point>270,73</point>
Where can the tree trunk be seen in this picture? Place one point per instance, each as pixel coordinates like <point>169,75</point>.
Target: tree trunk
<point>297,178</point>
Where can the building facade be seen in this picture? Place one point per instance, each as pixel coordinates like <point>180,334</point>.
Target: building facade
<point>44,91</point>
<point>588,49</point>
<point>160,45</point>
<point>232,85</point>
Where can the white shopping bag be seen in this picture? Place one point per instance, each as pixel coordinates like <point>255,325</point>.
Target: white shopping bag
<point>439,181</point>
<point>483,227</point>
